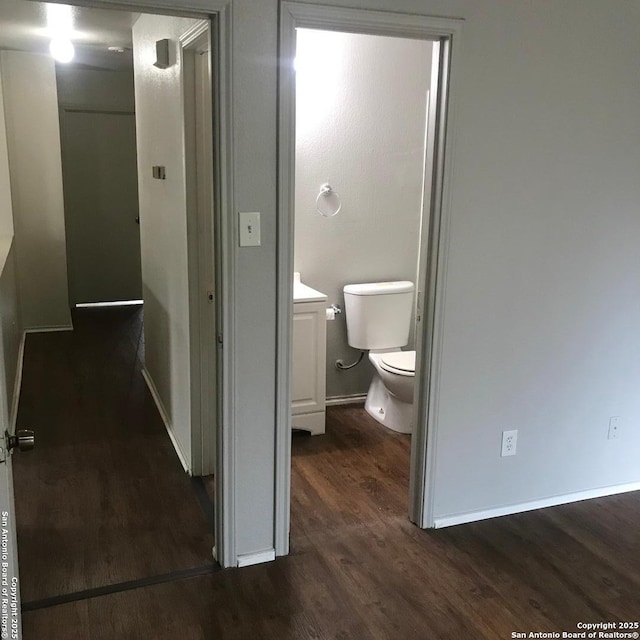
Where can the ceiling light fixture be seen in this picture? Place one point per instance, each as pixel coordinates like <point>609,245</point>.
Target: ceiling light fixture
<point>60,27</point>
<point>62,49</point>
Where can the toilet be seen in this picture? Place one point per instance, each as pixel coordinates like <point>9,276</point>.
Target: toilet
<point>379,318</point>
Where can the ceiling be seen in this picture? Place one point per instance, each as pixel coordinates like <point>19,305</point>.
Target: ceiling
<point>23,27</point>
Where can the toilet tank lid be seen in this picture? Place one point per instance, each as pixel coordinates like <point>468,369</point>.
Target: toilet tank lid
<point>378,288</point>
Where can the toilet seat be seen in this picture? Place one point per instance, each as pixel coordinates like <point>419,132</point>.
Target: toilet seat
<point>402,363</point>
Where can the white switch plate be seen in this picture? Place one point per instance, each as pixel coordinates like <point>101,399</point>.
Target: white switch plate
<point>249,229</point>
<point>615,422</point>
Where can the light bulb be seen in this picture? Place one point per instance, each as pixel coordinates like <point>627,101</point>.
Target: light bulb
<point>62,49</point>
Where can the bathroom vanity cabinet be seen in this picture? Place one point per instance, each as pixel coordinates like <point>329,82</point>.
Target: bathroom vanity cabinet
<point>308,379</point>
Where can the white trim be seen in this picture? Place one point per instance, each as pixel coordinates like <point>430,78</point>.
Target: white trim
<point>165,418</point>
<point>17,385</point>
<point>225,231</point>
<point>447,31</point>
<point>200,254</point>
<point>424,442</point>
<point>247,559</point>
<point>115,303</point>
<point>62,327</point>
<point>567,498</point>
<point>192,34</point>
<point>356,398</point>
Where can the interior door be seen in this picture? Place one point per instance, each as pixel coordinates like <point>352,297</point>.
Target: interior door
<point>10,619</point>
<point>100,181</point>
<point>10,335</point>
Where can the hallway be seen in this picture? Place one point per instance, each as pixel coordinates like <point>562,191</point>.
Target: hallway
<point>103,498</point>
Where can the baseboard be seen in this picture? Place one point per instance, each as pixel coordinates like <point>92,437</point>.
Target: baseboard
<point>554,501</point>
<point>17,386</point>
<point>356,398</point>
<point>248,559</point>
<point>165,418</point>
<point>62,327</point>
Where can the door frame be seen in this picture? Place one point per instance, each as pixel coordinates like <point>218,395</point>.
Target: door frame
<point>200,253</point>
<point>219,15</point>
<point>438,171</point>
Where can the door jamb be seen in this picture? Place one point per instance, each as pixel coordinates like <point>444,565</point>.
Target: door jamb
<point>447,32</point>
<point>195,42</point>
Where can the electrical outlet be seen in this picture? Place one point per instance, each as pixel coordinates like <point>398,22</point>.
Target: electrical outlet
<point>509,442</point>
<point>615,423</point>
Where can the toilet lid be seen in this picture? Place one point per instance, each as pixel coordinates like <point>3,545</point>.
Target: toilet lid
<point>401,361</point>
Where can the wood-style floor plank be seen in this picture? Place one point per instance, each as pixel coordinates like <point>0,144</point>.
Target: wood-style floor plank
<point>102,498</point>
<point>360,570</point>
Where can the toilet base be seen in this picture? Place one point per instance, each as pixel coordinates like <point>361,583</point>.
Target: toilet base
<point>387,409</point>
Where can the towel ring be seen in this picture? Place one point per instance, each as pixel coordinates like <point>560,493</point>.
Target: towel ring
<point>328,203</point>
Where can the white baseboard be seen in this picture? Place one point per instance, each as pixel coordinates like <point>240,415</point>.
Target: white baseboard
<point>248,559</point>
<point>62,327</point>
<point>474,516</point>
<point>165,418</point>
<point>17,385</point>
<point>357,398</point>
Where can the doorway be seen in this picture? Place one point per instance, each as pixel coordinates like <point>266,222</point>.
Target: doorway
<point>200,328</point>
<point>432,235</point>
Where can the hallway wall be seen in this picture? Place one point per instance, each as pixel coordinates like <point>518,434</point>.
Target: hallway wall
<point>33,136</point>
<point>163,223</point>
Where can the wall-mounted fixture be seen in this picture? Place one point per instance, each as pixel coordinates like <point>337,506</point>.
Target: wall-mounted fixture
<point>328,202</point>
<point>162,54</point>
<point>159,173</point>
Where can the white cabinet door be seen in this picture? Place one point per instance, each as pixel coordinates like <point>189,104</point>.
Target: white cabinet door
<point>308,380</point>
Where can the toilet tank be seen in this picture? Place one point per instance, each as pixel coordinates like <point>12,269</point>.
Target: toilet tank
<point>378,314</point>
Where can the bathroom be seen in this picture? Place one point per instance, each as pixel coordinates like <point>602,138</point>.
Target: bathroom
<point>360,151</point>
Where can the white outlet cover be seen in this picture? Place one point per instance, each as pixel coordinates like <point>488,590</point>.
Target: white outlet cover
<point>509,443</point>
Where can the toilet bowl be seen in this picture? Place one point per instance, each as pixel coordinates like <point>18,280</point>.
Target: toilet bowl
<point>390,396</point>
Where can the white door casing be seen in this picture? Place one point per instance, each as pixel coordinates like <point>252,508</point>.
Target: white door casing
<point>434,239</point>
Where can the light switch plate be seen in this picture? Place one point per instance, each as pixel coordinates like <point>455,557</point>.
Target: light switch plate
<point>249,229</point>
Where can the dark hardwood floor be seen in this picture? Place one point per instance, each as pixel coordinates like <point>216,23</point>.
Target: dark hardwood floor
<point>102,498</point>
<point>359,569</point>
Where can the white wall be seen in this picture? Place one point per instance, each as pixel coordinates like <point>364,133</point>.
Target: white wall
<point>6,210</point>
<point>163,227</point>
<point>33,134</point>
<point>359,125</point>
